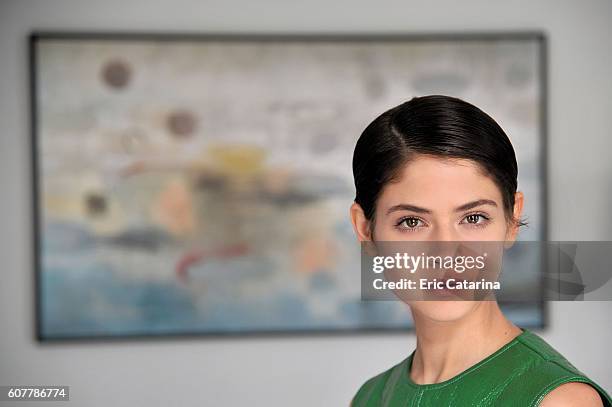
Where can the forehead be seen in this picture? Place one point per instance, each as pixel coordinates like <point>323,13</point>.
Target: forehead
<point>439,182</point>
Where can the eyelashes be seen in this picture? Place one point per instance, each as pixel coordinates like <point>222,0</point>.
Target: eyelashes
<point>409,220</point>
<point>412,223</point>
<point>476,216</point>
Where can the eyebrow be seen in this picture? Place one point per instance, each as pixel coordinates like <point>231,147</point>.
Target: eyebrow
<point>418,209</point>
<point>476,203</point>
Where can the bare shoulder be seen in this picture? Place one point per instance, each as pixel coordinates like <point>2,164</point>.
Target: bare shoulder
<point>573,394</point>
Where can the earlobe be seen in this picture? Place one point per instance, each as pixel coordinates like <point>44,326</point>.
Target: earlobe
<point>361,225</point>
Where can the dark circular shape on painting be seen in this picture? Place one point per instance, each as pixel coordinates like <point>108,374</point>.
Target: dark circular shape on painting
<point>96,204</point>
<point>116,74</point>
<point>181,123</point>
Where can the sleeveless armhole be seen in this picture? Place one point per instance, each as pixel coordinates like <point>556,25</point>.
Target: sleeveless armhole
<point>605,398</point>
<point>555,370</point>
<point>561,371</point>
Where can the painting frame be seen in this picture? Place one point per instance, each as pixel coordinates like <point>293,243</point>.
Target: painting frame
<point>38,36</point>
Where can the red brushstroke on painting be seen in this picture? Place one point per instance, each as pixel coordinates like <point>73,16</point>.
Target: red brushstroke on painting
<point>197,256</point>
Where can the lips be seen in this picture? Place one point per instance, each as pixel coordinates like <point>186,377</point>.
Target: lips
<point>461,293</point>
<point>455,280</point>
<point>443,291</point>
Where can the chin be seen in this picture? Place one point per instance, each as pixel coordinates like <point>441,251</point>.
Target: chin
<point>442,311</point>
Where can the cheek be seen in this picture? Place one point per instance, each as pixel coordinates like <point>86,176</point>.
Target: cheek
<point>384,232</point>
<point>501,229</point>
<point>496,230</point>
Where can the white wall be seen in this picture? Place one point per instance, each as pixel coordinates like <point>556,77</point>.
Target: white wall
<point>300,371</point>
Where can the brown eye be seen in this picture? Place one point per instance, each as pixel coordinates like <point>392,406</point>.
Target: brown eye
<point>410,222</point>
<point>472,218</point>
<point>475,219</point>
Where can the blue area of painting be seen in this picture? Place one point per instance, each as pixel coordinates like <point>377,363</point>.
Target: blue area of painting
<point>66,236</point>
<point>82,296</point>
<point>322,281</point>
<point>94,301</point>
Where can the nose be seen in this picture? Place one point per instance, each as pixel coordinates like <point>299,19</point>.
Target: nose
<point>445,233</point>
<point>444,242</point>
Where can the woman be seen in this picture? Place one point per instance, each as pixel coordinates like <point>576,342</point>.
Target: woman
<point>437,168</point>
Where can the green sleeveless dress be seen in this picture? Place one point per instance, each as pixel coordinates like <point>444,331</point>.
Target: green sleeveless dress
<point>520,373</point>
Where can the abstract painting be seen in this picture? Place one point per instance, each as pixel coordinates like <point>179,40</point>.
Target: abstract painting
<point>200,185</point>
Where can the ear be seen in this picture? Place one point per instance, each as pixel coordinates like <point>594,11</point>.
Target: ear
<point>361,225</point>
<point>519,200</point>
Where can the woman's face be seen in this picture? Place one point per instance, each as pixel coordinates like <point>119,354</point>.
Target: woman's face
<point>439,199</point>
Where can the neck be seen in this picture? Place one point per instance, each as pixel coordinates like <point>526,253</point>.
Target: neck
<point>446,348</point>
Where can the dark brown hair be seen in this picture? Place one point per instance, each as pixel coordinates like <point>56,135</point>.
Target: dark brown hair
<point>434,125</point>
